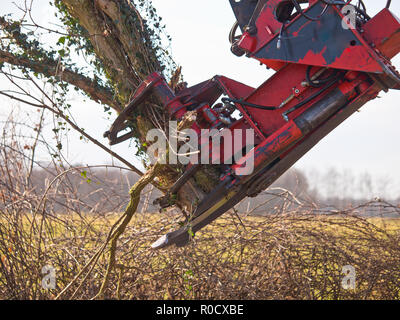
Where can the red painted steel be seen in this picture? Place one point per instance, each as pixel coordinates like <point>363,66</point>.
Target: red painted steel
<point>288,89</point>
<point>318,84</point>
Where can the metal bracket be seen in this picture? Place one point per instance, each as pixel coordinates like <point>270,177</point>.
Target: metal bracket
<point>120,124</point>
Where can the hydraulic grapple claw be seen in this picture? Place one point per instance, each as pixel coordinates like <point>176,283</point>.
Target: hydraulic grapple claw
<point>179,238</point>
<point>155,85</point>
<point>325,72</point>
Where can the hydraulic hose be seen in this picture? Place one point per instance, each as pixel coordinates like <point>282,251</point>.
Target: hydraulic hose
<point>301,11</point>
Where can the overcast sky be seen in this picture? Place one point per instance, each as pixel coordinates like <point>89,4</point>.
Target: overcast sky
<point>367,142</point>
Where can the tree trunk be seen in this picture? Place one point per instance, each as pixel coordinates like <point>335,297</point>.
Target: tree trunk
<point>121,40</point>
<point>125,49</point>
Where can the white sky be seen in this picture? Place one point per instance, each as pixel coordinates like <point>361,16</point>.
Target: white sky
<point>367,142</point>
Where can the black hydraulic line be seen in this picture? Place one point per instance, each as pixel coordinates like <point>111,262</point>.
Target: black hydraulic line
<point>310,98</point>
<point>233,32</point>
<point>279,43</point>
<point>362,10</point>
<point>332,3</point>
<point>301,11</point>
<point>339,2</point>
<point>362,4</point>
<point>331,79</point>
<point>319,82</point>
<point>248,104</point>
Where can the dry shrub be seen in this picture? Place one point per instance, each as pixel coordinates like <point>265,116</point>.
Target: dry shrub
<point>281,256</point>
<point>295,251</point>
<point>293,256</point>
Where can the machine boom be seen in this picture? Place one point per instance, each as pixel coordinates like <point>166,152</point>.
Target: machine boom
<point>326,69</point>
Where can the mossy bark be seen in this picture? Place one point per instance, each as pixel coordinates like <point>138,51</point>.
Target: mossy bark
<point>120,40</point>
<point>125,49</point>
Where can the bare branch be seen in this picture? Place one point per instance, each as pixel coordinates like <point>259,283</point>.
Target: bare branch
<point>51,68</point>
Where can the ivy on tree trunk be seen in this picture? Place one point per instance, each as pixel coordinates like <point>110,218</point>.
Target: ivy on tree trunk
<point>123,41</point>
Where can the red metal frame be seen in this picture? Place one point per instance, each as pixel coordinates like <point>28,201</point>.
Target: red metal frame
<point>361,58</point>
<point>286,88</point>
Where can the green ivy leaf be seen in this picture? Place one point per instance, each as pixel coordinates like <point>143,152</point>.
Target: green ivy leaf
<point>61,40</point>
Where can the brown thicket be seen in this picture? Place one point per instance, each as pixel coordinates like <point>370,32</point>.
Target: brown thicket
<point>121,42</point>
<point>124,48</point>
<point>295,251</point>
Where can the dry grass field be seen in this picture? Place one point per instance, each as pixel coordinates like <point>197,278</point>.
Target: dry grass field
<point>281,256</point>
<point>65,227</point>
<point>294,250</point>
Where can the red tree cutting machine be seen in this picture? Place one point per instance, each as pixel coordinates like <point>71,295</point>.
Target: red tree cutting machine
<point>330,59</point>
